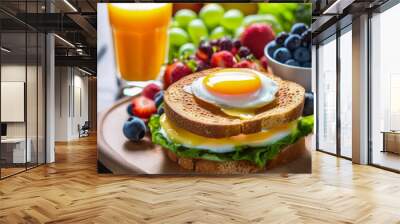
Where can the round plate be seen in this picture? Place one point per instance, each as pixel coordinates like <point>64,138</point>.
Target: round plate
<point>122,156</point>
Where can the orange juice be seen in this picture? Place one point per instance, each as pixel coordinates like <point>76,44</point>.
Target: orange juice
<point>140,38</point>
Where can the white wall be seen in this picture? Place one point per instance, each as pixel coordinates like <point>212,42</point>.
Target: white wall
<point>71,94</point>
<point>12,73</point>
<point>62,81</point>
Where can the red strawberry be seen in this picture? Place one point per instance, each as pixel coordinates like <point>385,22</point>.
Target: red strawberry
<point>202,56</point>
<point>243,64</point>
<point>264,62</point>
<point>167,75</point>
<point>180,71</point>
<point>223,59</point>
<point>151,90</point>
<point>234,50</point>
<point>256,36</point>
<point>247,64</point>
<point>143,107</point>
<point>174,72</point>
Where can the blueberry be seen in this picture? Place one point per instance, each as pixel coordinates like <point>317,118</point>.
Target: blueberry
<point>299,28</point>
<point>158,98</point>
<point>129,109</point>
<point>292,62</point>
<point>243,52</point>
<point>302,54</point>
<point>308,104</point>
<point>282,55</point>
<point>304,44</point>
<point>306,38</point>
<point>160,110</point>
<point>280,39</point>
<point>306,64</point>
<point>272,48</point>
<point>292,42</point>
<point>134,129</point>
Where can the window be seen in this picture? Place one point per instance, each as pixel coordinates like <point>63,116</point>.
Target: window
<point>326,96</point>
<point>346,93</point>
<point>385,89</point>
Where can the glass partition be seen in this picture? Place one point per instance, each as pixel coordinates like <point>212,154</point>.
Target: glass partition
<point>32,98</point>
<point>326,96</point>
<point>23,89</point>
<point>15,150</point>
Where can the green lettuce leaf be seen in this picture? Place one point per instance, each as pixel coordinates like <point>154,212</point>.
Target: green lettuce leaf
<point>257,155</point>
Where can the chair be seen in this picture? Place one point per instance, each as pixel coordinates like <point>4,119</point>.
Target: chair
<point>84,129</point>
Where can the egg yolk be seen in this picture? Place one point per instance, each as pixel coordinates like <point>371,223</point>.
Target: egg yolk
<point>232,82</point>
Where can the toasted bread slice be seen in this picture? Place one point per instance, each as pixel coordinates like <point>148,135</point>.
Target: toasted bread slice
<point>287,155</point>
<point>188,112</point>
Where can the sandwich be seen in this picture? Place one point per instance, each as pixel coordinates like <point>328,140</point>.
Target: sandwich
<point>232,120</point>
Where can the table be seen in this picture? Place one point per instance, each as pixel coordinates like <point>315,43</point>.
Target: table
<point>13,150</point>
<point>391,141</point>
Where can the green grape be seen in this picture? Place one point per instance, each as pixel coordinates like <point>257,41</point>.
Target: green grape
<point>174,23</point>
<point>267,19</point>
<point>172,53</point>
<point>184,16</point>
<point>197,31</point>
<point>212,14</point>
<point>232,19</point>
<point>177,36</point>
<point>187,50</point>
<point>218,32</point>
<point>239,32</point>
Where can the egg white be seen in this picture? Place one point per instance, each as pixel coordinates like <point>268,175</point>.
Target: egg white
<point>260,98</point>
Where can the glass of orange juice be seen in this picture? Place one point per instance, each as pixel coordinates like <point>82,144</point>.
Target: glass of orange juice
<point>140,33</point>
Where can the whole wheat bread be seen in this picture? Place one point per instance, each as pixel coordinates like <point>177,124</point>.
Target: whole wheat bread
<point>201,118</point>
<point>287,155</point>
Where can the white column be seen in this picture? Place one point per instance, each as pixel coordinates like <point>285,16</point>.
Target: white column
<point>360,90</point>
<point>50,94</point>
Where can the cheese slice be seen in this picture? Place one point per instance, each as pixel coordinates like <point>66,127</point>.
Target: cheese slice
<point>222,145</point>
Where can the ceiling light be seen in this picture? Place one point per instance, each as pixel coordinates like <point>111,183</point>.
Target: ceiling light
<point>337,7</point>
<point>5,50</point>
<point>65,41</point>
<point>84,71</point>
<point>70,5</point>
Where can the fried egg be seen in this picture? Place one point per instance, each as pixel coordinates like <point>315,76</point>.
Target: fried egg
<point>237,92</point>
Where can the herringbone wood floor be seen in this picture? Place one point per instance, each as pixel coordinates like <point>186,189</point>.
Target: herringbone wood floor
<point>70,191</point>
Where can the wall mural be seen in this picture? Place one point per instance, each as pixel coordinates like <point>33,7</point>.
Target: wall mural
<point>215,88</point>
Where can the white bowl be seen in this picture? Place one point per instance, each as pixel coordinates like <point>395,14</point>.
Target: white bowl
<point>296,74</point>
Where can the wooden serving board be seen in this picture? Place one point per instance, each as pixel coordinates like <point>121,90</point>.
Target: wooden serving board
<point>122,156</point>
